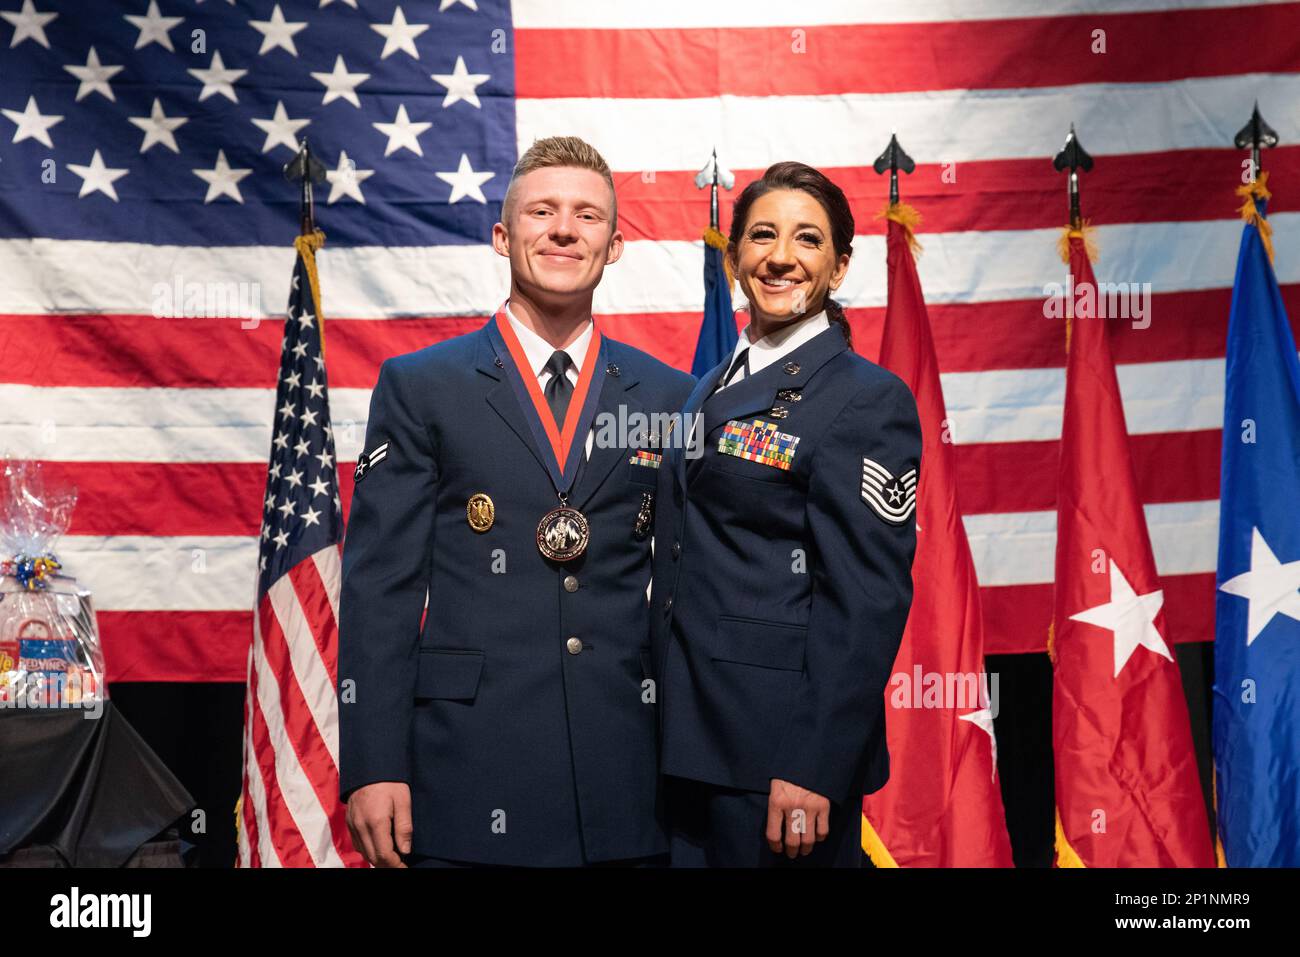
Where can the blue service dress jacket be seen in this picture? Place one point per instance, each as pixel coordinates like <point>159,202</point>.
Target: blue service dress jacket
<point>782,576</point>
<point>518,711</point>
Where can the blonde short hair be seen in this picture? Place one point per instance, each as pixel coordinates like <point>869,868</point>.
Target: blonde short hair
<point>560,151</point>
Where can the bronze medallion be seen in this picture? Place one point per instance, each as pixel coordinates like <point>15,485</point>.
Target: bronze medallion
<point>562,534</point>
<point>480,512</point>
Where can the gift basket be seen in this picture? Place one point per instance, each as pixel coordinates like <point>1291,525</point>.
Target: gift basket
<point>50,654</point>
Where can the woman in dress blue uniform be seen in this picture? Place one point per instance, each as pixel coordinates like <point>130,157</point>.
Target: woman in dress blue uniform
<point>784,538</point>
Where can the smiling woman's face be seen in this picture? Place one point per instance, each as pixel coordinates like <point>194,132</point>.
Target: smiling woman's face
<point>785,259</point>
<point>559,238</point>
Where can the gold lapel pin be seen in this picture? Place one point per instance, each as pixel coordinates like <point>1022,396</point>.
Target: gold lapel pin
<point>480,512</point>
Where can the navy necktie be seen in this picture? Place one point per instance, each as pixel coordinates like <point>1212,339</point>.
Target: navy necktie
<point>559,389</point>
<point>741,361</point>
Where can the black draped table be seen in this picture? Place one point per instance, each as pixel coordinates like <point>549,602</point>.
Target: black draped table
<point>84,792</point>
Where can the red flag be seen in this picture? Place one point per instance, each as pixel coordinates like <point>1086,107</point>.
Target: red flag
<point>1127,789</point>
<point>942,806</point>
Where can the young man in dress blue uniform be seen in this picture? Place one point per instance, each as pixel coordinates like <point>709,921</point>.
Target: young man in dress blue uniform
<point>516,725</point>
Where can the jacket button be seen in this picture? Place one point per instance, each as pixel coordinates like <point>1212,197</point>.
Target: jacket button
<point>668,606</point>
<point>570,583</point>
<point>677,549</point>
<point>574,645</point>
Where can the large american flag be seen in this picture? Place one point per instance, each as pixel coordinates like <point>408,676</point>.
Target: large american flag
<point>141,145</point>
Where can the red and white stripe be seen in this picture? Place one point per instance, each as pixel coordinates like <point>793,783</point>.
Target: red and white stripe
<point>291,815</point>
<point>164,423</point>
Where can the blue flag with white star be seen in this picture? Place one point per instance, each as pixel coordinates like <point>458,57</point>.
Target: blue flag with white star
<point>1257,607</point>
<point>718,332</point>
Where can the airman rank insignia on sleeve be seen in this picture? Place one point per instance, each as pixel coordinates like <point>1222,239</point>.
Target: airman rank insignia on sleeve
<point>891,497</point>
<point>369,460</point>
<point>758,441</point>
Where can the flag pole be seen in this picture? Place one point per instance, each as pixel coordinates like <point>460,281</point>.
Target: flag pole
<point>1255,134</point>
<point>717,335</point>
<point>893,159</point>
<point>306,169</point>
<point>714,175</point>
<point>267,833</point>
<point>1074,158</point>
<point>1254,192</point>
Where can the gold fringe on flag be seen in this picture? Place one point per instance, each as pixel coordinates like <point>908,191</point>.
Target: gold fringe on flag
<point>1065,854</point>
<point>1087,232</point>
<point>875,847</point>
<point>1051,642</point>
<point>307,246</point>
<point>239,806</point>
<point>1220,859</point>
<point>1250,192</point>
<point>906,216</point>
<point>714,238</point>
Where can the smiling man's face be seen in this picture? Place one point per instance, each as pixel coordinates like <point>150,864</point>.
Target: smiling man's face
<point>559,234</point>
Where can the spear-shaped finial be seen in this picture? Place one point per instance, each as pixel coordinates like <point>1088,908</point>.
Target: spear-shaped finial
<point>893,159</point>
<point>1255,134</point>
<point>305,167</point>
<point>714,176</point>
<point>1074,158</point>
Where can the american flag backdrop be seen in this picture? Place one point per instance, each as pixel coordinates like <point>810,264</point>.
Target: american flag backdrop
<point>143,218</point>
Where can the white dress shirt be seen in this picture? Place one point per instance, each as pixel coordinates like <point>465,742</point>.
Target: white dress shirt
<point>773,346</point>
<point>538,352</point>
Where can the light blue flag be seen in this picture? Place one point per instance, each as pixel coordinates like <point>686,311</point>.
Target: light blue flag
<point>1257,606</point>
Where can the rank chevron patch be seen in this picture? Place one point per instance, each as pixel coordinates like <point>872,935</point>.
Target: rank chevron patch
<point>891,497</point>
<point>369,460</point>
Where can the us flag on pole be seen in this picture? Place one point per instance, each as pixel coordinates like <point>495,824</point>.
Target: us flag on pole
<point>289,814</point>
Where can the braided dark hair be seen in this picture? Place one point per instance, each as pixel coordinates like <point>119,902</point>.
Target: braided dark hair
<point>795,175</point>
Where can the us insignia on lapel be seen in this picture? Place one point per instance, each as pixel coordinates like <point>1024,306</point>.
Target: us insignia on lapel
<point>369,460</point>
<point>891,497</point>
<point>758,441</point>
